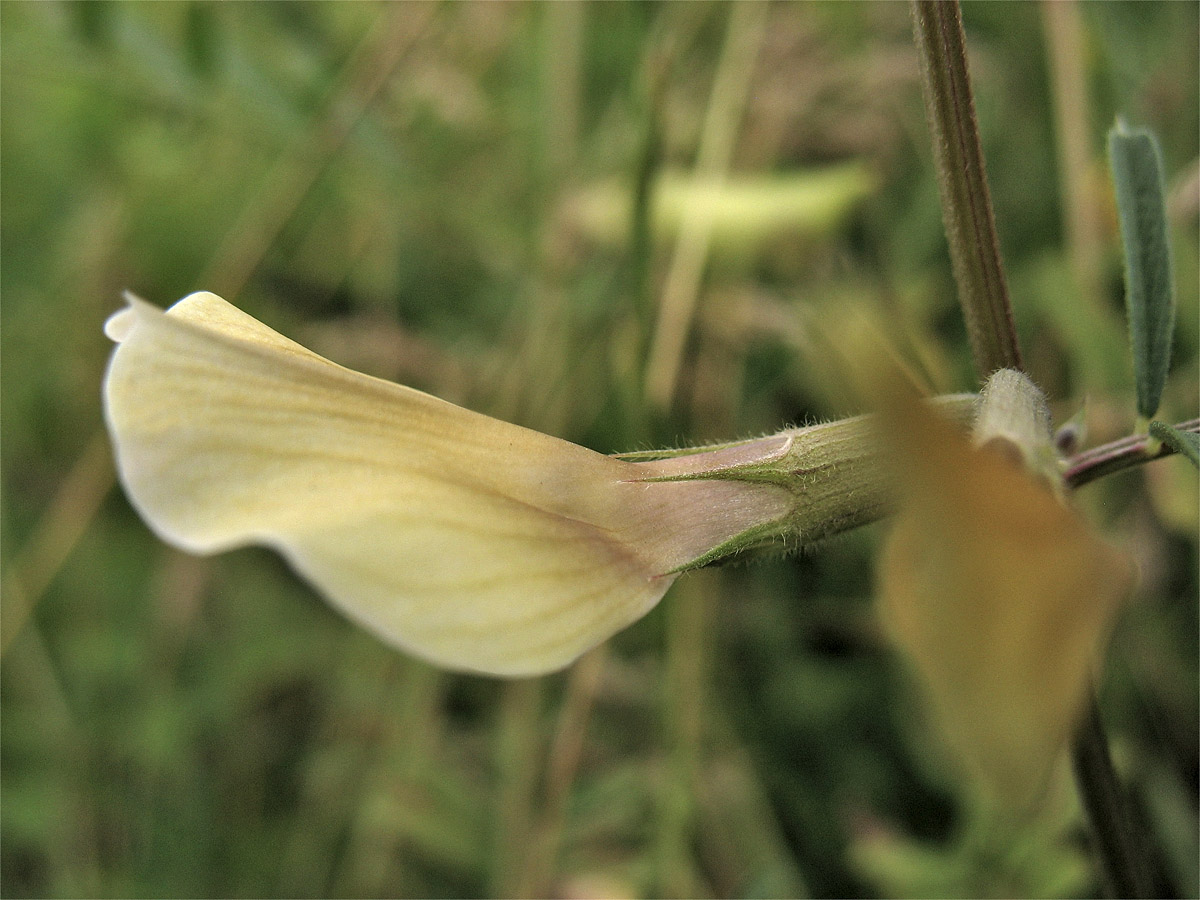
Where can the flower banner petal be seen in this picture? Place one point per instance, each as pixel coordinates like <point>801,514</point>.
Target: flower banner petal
<point>474,543</point>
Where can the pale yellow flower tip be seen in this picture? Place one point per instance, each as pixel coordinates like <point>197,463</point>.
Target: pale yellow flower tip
<point>469,541</point>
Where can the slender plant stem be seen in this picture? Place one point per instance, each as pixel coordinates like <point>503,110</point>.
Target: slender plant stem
<point>1122,454</point>
<point>962,182</point>
<point>1123,850</point>
<point>1119,844</point>
<point>983,295</point>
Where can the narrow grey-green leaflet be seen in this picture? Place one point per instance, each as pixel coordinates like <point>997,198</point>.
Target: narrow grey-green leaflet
<point>1149,285</point>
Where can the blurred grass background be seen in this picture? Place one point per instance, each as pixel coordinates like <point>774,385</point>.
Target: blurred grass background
<point>494,202</point>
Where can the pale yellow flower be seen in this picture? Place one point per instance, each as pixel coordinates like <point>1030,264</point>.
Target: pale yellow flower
<point>996,589</point>
<point>469,541</point>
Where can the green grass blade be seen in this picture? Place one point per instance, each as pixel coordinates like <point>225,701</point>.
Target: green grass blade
<point>1186,443</point>
<point>1149,287</point>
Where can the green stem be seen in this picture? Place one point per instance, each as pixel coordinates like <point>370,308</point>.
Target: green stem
<point>962,182</point>
<point>1121,847</point>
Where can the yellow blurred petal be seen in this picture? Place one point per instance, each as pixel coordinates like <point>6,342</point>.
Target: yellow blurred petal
<point>999,594</point>
<point>744,210</point>
<point>471,542</point>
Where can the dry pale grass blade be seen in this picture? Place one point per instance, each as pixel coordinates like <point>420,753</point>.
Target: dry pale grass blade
<point>474,543</point>
<point>562,765</point>
<point>747,26</point>
<point>1083,216</point>
<point>1000,595</point>
<point>58,531</point>
<point>292,176</point>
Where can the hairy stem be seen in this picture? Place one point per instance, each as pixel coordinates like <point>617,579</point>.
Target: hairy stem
<point>1122,454</point>
<point>1122,849</point>
<point>962,182</point>
<point>983,296</point>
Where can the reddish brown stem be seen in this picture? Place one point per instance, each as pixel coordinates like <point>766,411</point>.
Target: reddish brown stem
<point>1113,457</point>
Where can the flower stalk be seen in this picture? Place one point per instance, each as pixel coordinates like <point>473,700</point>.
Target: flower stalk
<point>1116,456</point>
